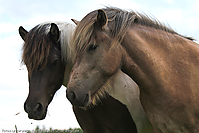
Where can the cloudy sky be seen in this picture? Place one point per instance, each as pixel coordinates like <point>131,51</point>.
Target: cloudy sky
<point>181,15</point>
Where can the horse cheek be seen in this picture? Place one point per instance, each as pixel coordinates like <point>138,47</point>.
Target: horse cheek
<point>111,63</point>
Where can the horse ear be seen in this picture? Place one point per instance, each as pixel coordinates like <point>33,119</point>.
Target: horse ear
<point>22,32</point>
<point>75,21</point>
<point>102,18</point>
<point>54,32</point>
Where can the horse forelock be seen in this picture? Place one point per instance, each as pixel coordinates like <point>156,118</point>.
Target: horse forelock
<point>83,32</point>
<point>120,21</point>
<point>37,46</point>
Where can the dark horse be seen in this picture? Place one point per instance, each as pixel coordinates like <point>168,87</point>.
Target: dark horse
<point>48,56</point>
<point>163,63</point>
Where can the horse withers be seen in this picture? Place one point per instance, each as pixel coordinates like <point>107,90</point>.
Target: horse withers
<point>49,56</point>
<point>163,63</point>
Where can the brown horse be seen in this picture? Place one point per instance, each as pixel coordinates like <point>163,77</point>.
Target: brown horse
<point>163,63</point>
<point>48,55</point>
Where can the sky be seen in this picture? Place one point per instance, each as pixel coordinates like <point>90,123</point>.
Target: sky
<point>181,15</point>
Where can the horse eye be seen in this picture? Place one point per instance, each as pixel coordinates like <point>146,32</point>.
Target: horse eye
<point>92,47</point>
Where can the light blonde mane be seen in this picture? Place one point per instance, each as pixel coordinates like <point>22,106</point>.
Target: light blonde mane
<point>67,50</point>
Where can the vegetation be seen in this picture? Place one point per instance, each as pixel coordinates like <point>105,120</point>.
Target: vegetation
<point>44,130</point>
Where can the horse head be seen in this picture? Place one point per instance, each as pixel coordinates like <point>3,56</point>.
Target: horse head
<point>42,57</point>
<point>91,72</point>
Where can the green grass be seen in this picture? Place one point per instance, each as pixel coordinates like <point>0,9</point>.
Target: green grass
<point>44,130</point>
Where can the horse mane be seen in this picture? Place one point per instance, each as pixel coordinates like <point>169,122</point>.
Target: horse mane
<point>146,20</point>
<point>37,45</point>
<point>119,20</point>
<point>67,49</point>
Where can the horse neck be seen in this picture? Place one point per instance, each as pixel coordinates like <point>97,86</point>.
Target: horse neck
<point>149,53</point>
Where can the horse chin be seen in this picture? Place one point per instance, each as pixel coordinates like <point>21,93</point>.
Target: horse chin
<point>92,98</point>
<point>39,116</point>
<point>90,103</point>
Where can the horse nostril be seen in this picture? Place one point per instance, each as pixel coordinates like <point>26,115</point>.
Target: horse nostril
<point>38,107</point>
<point>25,107</point>
<point>86,98</point>
<point>72,95</point>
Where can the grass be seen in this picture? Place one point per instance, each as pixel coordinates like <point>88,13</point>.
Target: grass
<point>44,130</point>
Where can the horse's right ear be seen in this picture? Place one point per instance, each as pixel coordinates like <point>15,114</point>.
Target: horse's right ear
<point>75,21</point>
<point>22,32</point>
<point>54,32</point>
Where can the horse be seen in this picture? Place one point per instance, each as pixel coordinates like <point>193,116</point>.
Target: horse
<point>163,63</point>
<point>49,57</point>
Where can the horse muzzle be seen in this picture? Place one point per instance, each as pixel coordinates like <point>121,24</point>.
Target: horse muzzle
<point>78,99</point>
<point>36,112</point>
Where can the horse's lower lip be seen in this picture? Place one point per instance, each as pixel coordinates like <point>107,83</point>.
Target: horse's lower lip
<point>30,117</point>
<point>39,119</point>
<point>36,118</point>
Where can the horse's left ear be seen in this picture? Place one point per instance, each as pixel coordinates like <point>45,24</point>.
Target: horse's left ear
<point>54,32</point>
<point>22,32</point>
<point>102,18</point>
